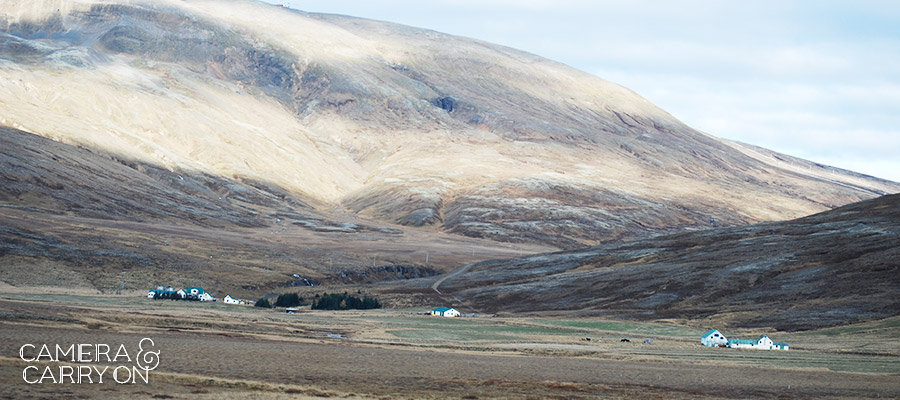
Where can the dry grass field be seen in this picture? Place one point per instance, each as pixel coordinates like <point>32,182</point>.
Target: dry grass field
<point>222,351</point>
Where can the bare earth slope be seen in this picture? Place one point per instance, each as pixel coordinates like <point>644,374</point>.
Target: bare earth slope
<point>61,226</point>
<point>387,122</point>
<point>823,270</point>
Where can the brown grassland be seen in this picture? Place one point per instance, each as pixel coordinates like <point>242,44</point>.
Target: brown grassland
<point>221,351</point>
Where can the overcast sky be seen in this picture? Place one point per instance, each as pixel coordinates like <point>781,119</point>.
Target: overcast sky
<point>814,79</point>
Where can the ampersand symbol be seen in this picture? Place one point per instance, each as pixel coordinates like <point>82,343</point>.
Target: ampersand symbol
<point>147,360</point>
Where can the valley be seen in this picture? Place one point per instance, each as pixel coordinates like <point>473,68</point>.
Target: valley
<point>212,350</point>
<point>587,236</point>
<point>824,270</point>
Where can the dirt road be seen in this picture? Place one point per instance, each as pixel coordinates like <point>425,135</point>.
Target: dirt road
<point>456,272</point>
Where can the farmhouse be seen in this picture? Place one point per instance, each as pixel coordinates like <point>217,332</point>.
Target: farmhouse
<point>713,338</point>
<point>231,300</point>
<point>445,312</point>
<point>195,293</point>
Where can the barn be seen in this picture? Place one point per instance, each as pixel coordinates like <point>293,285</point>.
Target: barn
<point>713,338</point>
<point>741,344</point>
<point>445,312</point>
<point>761,343</point>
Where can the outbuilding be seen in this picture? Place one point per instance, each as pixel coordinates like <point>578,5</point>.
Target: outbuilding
<point>741,344</point>
<point>761,343</point>
<point>445,312</point>
<point>195,293</point>
<point>161,292</point>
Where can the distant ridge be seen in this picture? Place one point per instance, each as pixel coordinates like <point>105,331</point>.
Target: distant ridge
<point>828,269</point>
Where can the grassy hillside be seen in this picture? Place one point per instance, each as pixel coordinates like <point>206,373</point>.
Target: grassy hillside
<point>824,270</point>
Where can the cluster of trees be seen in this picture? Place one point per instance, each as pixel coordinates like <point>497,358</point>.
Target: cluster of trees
<point>283,300</point>
<point>334,301</point>
<point>288,300</point>
<point>327,301</point>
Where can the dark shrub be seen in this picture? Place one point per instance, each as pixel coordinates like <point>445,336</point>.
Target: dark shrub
<point>262,303</point>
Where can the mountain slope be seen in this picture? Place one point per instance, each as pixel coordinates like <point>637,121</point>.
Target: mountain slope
<point>823,270</point>
<point>383,121</point>
<point>61,226</point>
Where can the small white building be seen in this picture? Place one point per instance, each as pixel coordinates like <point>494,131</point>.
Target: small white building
<point>713,338</point>
<point>205,297</point>
<point>231,300</point>
<point>444,312</point>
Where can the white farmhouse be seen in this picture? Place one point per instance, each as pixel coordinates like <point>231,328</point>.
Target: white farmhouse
<point>713,338</point>
<point>764,343</point>
<point>231,300</point>
<point>445,312</point>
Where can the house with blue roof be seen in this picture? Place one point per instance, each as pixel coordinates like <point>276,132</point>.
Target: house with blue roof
<point>161,292</point>
<point>444,312</point>
<point>714,338</point>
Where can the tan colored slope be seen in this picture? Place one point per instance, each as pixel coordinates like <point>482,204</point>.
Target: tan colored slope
<point>390,122</point>
<point>174,118</point>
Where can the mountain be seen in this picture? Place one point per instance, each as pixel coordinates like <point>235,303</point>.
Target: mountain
<point>259,109</point>
<point>828,269</point>
<point>76,218</point>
